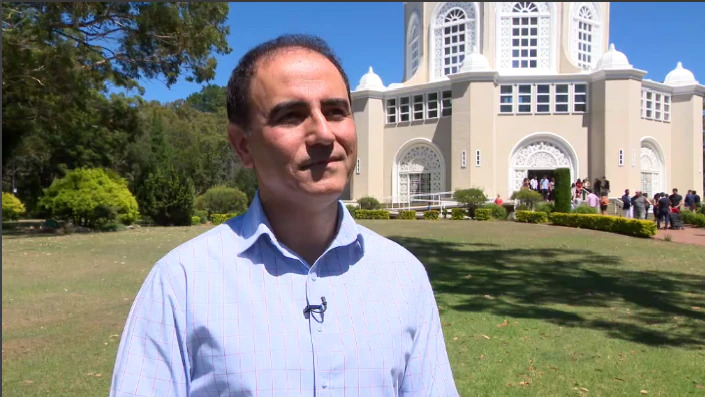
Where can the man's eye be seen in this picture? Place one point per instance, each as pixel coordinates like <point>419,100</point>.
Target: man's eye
<point>291,118</point>
<point>336,113</point>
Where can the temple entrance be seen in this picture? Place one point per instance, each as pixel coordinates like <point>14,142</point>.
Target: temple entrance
<point>540,155</point>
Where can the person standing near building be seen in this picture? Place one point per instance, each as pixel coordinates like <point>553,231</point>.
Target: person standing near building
<point>676,200</point>
<point>647,205</point>
<point>696,201</point>
<point>639,205</point>
<point>544,187</point>
<point>593,200</point>
<point>627,204</point>
<point>292,297</point>
<point>534,184</point>
<point>597,186</point>
<point>664,211</point>
<point>605,186</point>
<point>604,203</point>
<point>689,200</point>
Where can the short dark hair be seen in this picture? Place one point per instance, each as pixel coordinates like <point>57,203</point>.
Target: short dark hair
<point>238,91</point>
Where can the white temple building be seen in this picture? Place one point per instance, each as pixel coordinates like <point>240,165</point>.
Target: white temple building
<point>497,92</point>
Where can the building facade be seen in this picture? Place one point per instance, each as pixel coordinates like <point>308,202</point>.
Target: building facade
<point>497,92</point>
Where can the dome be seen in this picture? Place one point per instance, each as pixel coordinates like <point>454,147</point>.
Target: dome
<point>475,62</point>
<point>613,59</point>
<point>370,81</point>
<point>680,76</point>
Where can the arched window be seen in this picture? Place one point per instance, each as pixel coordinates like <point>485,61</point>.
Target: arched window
<point>585,35</point>
<point>455,32</point>
<point>413,45</point>
<point>525,38</point>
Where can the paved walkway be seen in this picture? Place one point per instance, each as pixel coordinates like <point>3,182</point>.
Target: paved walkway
<point>689,235</point>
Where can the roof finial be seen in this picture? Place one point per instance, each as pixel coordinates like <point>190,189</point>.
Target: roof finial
<point>612,47</point>
<point>370,71</point>
<point>679,65</point>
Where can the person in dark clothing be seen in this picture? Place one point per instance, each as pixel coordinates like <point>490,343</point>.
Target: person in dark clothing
<point>597,186</point>
<point>664,211</point>
<point>688,200</point>
<point>627,205</point>
<point>655,203</point>
<point>676,199</point>
<point>696,201</point>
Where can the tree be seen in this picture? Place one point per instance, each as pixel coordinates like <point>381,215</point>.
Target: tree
<point>12,207</point>
<point>368,203</point>
<point>472,197</point>
<point>58,61</point>
<point>90,197</point>
<point>527,198</point>
<point>167,197</point>
<point>562,187</point>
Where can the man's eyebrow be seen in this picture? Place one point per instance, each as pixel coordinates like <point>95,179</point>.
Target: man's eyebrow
<point>336,102</point>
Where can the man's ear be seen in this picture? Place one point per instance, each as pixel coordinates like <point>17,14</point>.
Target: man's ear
<point>240,142</point>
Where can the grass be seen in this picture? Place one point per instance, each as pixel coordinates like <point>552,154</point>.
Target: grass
<point>526,309</point>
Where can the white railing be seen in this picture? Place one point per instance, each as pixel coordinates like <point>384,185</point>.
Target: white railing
<point>437,200</point>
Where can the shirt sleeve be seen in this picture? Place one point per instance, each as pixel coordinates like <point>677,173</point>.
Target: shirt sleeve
<point>428,370</point>
<point>152,358</point>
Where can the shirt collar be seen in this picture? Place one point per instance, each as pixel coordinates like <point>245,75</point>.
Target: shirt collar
<point>255,225</point>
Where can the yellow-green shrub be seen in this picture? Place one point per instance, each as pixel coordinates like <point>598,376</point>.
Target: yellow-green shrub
<point>483,214</point>
<point>431,214</point>
<point>217,219</point>
<point>195,220</point>
<point>407,214</point>
<point>532,216</point>
<point>614,224</point>
<point>12,207</point>
<point>371,214</point>
<point>458,214</point>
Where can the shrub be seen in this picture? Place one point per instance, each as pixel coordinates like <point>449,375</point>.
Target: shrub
<point>458,214</point>
<point>527,198</point>
<point>407,214</point>
<point>584,209</point>
<point>562,187</point>
<point>472,197</point>
<point>483,214</point>
<point>693,218</point>
<point>111,227</point>
<point>496,211</point>
<point>201,214</point>
<point>90,197</point>
<point>614,224</point>
<point>368,203</point>
<point>223,200</point>
<point>351,209</point>
<point>431,214</point>
<point>195,220</point>
<point>217,219</point>
<point>545,207</point>
<point>167,197</point>
<point>12,207</point>
<point>532,217</point>
<point>371,214</point>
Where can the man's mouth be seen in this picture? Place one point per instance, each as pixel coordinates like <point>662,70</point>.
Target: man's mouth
<point>317,163</point>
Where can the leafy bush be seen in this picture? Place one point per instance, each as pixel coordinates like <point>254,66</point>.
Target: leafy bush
<point>167,197</point>
<point>351,209</point>
<point>532,217</point>
<point>223,200</point>
<point>407,214</point>
<point>693,218</point>
<point>195,220</point>
<point>431,214</point>
<point>12,207</point>
<point>614,224</point>
<point>458,214</point>
<point>111,226</point>
<point>217,219</point>
<point>483,214</point>
<point>201,214</point>
<point>472,197</point>
<point>527,198</point>
<point>546,207</point>
<point>371,214</point>
<point>368,203</point>
<point>584,209</point>
<point>497,211</point>
<point>90,197</point>
<point>562,187</point>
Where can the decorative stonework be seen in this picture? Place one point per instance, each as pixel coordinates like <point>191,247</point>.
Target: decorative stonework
<point>542,155</point>
<point>420,159</point>
<point>413,45</point>
<point>649,160</point>
<point>508,10</point>
<point>651,171</point>
<point>439,22</point>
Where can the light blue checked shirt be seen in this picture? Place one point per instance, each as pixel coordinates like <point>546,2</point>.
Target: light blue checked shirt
<point>222,315</point>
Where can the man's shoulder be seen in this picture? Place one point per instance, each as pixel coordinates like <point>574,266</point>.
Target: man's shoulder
<point>205,245</point>
<point>376,244</point>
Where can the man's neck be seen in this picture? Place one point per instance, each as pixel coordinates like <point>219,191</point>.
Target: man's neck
<point>305,229</point>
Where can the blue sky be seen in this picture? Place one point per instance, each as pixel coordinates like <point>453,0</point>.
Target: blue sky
<point>654,36</point>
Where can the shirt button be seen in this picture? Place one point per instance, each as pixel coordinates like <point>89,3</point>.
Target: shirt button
<point>324,386</point>
<point>320,328</point>
<point>313,276</point>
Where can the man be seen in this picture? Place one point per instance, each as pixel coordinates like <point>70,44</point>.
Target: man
<point>534,183</point>
<point>689,200</point>
<point>292,297</point>
<point>544,187</point>
<point>696,200</point>
<point>676,200</point>
<point>639,205</point>
<point>664,211</point>
<point>627,204</point>
<point>498,200</point>
<point>605,184</point>
<point>593,200</point>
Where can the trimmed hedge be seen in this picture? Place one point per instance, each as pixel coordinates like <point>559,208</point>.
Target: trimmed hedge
<point>546,207</point>
<point>483,214</point>
<point>693,218</point>
<point>532,217</point>
<point>195,220</point>
<point>351,209</point>
<point>614,224</point>
<point>562,187</point>
<point>407,214</point>
<point>431,214</point>
<point>584,209</point>
<point>217,219</point>
<point>371,214</point>
<point>458,214</point>
<point>496,211</point>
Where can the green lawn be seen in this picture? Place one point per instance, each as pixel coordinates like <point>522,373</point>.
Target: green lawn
<point>526,309</point>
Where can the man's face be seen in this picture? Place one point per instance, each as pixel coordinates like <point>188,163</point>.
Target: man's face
<point>302,142</point>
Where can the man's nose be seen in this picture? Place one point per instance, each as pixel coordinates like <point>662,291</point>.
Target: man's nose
<point>319,130</point>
